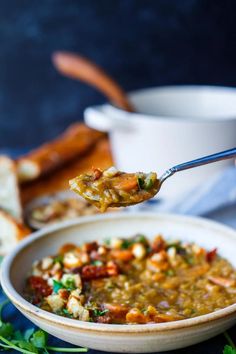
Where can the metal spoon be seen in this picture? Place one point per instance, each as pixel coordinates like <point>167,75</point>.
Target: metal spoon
<point>109,191</point>
<point>219,156</point>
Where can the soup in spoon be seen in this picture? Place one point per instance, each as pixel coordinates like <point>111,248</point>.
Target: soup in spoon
<point>113,188</point>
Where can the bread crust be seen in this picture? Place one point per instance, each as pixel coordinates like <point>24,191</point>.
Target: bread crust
<point>9,193</point>
<point>73,143</point>
<point>14,231</point>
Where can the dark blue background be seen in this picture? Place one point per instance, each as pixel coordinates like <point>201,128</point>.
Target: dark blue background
<point>140,43</point>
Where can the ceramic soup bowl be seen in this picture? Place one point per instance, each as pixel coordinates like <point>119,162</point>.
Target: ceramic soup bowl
<point>110,337</point>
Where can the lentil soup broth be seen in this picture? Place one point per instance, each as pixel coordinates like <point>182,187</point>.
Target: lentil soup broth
<point>132,281</point>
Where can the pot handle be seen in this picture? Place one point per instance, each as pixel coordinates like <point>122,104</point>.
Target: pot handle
<point>105,121</point>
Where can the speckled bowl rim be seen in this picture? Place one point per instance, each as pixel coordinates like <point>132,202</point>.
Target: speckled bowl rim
<point>34,311</point>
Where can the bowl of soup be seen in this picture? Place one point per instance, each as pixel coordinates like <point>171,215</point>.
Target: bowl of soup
<point>120,282</point>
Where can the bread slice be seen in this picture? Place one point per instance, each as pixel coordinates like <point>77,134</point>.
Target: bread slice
<point>9,191</point>
<point>73,143</point>
<point>11,232</point>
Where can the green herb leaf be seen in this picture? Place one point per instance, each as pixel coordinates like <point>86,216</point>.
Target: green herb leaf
<point>30,342</point>
<point>58,259</point>
<point>68,350</point>
<point>189,260</point>
<point>69,284</point>
<point>57,285</point>
<point>2,305</point>
<point>97,312</point>
<point>66,313</point>
<point>28,333</point>
<point>148,184</point>
<point>17,335</point>
<point>127,243</point>
<point>97,263</point>
<point>141,239</point>
<point>170,272</point>
<point>141,182</point>
<point>39,339</point>
<point>229,339</point>
<point>229,350</point>
<point>23,344</point>
<point>107,241</point>
<point>6,330</point>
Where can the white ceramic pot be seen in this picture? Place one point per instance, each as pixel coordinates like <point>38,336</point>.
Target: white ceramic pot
<point>174,124</point>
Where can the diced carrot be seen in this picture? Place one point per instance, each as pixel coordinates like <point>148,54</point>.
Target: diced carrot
<point>127,183</point>
<point>198,270</point>
<point>67,248</point>
<point>122,255</point>
<point>116,310</point>
<point>136,316</point>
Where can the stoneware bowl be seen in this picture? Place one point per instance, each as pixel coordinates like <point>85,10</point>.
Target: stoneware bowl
<point>172,124</point>
<point>120,338</point>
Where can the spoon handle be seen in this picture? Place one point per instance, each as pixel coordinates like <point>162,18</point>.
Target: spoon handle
<point>223,155</point>
<point>80,68</point>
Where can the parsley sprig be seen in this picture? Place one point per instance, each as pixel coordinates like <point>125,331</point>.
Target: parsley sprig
<point>98,313</point>
<point>31,341</point>
<point>229,348</point>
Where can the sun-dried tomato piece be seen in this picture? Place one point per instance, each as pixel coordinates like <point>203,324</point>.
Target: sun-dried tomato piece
<point>89,247</point>
<point>97,173</point>
<point>158,244</point>
<point>90,272</point>
<point>40,286</point>
<point>211,255</point>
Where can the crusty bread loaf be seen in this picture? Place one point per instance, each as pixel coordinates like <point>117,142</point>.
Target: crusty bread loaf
<point>9,191</point>
<point>73,143</point>
<point>99,156</point>
<point>11,232</point>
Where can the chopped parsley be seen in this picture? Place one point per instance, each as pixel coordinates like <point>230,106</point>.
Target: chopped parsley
<point>98,313</point>
<point>141,182</point>
<point>68,284</point>
<point>127,243</point>
<point>58,259</point>
<point>57,285</point>
<point>97,263</point>
<point>170,272</point>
